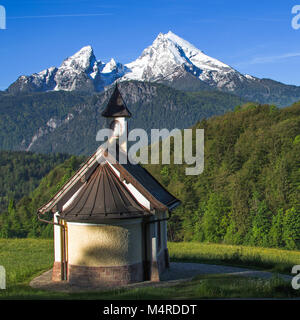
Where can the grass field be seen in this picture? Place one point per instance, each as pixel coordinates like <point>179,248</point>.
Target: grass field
<point>275,260</point>
<point>26,258</point>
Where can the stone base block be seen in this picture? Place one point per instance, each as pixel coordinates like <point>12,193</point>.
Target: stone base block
<point>108,276</point>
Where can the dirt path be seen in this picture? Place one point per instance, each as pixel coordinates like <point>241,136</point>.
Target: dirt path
<point>177,273</point>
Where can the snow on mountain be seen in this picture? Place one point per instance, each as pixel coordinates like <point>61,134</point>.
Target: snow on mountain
<point>168,53</point>
<point>169,57</point>
<point>77,71</point>
<point>110,66</point>
<point>112,71</point>
<point>82,72</point>
<point>83,60</point>
<point>248,76</point>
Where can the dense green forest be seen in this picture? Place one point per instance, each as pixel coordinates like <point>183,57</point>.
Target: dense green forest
<point>249,192</point>
<point>21,172</point>
<point>20,219</point>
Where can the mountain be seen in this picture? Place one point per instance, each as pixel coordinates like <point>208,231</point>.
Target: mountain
<point>170,60</point>
<point>176,62</point>
<point>169,55</point>
<point>80,72</point>
<point>60,121</point>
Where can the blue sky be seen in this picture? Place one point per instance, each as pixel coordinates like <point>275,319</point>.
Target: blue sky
<point>255,37</point>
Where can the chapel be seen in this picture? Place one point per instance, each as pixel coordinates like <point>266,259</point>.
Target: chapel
<point>110,218</point>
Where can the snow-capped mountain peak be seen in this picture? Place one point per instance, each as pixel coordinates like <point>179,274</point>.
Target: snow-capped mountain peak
<point>168,58</point>
<point>80,71</point>
<point>196,56</point>
<point>170,53</point>
<point>81,60</point>
<point>112,71</point>
<point>111,65</point>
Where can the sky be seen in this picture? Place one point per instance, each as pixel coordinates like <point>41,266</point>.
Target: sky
<point>254,37</point>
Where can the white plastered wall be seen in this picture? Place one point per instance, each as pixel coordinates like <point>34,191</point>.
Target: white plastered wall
<point>57,230</point>
<point>95,245</point>
<point>57,240</point>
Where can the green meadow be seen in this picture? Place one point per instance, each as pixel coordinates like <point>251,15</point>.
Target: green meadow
<point>25,259</point>
<point>274,260</point>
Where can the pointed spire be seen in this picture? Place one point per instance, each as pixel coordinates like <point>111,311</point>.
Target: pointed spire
<point>116,106</point>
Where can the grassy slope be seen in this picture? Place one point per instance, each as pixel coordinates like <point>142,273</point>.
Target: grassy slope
<point>26,258</point>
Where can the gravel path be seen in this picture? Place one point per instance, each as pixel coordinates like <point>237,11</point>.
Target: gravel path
<point>180,270</point>
<point>177,273</point>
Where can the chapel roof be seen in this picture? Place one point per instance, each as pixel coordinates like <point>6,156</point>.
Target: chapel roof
<point>134,174</point>
<point>103,196</point>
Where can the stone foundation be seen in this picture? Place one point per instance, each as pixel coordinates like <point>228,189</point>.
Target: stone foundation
<point>109,276</point>
<point>113,276</point>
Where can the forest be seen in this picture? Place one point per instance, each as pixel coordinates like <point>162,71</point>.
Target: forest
<point>21,172</point>
<point>19,219</point>
<point>249,192</point>
<point>68,122</point>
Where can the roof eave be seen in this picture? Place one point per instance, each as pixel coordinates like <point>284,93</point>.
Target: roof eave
<point>174,205</point>
<point>156,204</point>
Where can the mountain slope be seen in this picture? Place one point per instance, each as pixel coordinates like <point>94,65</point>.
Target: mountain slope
<point>24,118</point>
<point>68,122</point>
<point>170,60</point>
<point>249,190</point>
<point>20,220</point>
